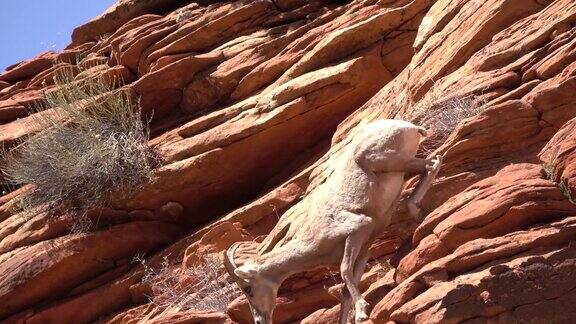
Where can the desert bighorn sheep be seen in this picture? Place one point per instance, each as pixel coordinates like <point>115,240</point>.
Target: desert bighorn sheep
<point>337,223</point>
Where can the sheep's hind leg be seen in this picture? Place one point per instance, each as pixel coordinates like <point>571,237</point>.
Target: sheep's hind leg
<point>415,199</point>
<point>354,243</point>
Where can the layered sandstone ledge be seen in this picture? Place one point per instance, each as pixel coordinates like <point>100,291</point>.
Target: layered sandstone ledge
<point>252,100</point>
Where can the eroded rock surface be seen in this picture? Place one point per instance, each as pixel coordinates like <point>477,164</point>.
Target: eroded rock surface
<point>252,101</point>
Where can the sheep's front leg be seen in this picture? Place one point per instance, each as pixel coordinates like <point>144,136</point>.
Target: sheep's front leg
<point>432,168</point>
<point>359,268</point>
<point>346,303</point>
<point>354,243</point>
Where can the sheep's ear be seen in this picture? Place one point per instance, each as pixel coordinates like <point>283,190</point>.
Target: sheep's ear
<point>246,272</point>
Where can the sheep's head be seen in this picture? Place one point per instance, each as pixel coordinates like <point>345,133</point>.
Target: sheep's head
<point>260,291</point>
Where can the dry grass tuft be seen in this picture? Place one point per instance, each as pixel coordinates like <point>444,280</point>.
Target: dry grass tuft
<point>562,183</point>
<point>202,287</point>
<point>93,145</point>
<point>440,114</point>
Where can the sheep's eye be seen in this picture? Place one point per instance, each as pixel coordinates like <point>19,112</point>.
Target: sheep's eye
<point>248,291</point>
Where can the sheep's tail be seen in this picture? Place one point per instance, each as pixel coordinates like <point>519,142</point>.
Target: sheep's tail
<point>422,131</point>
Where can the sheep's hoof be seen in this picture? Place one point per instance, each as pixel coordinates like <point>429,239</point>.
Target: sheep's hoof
<point>361,311</point>
<point>360,318</point>
<point>437,163</point>
<point>434,165</point>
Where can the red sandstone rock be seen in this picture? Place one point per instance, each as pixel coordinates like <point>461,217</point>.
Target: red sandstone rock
<point>52,267</point>
<point>28,68</point>
<point>116,16</point>
<point>481,262</point>
<point>558,158</point>
<point>252,99</point>
<point>11,110</point>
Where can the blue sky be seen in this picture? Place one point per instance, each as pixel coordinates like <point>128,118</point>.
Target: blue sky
<point>28,27</point>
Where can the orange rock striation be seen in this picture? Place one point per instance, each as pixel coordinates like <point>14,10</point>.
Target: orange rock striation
<point>251,100</point>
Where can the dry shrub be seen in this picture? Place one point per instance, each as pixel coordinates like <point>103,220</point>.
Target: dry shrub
<point>202,287</point>
<point>440,114</point>
<point>561,183</point>
<point>93,145</point>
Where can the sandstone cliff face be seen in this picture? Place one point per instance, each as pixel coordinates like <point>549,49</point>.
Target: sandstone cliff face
<point>251,100</point>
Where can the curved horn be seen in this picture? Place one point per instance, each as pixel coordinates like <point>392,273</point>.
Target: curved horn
<point>229,262</point>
